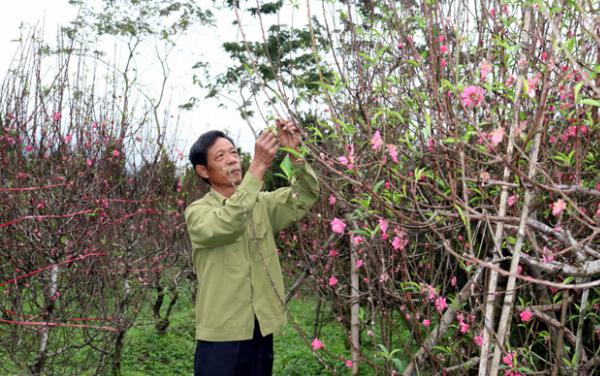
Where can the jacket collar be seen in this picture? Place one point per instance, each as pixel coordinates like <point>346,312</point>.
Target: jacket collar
<point>216,197</point>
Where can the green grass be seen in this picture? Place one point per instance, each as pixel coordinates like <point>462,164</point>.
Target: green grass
<point>148,353</point>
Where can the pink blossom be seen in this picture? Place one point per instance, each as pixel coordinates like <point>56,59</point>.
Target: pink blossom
<point>509,372</point>
<point>544,56</point>
<point>440,304</point>
<point>463,327</point>
<point>558,207</point>
<point>55,296</point>
<point>443,63</point>
<point>399,243</point>
<point>68,138</point>
<point>338,226</point>
<point>89,162</point>
<point>511,200</point>
<point>472,96</point>
<point>383,225</point>
<point>441,39</point>
<point>348,162</point>
<point>348,363</point>
<point>485,177</point>
<point>547,255</point>
<point>526,315</point>
<point>357,240</point>
<point>430,145</point>
<point>509,81</point>
<point>57,116</point>
<point>29,148</point>
<point>532,83</point>
<point>426,323</point>
<point>508,359</point>
<point>384,277</point>
<point>484,69</point>
<point>393,152</point>
<point>520,269</point>
<point>317,344</point>
<point>443,49</point>
<point>431,294</point>
<point>492,12</point>
<point>453,281</point>
<point>478,339</point>
<point>497,135</point>
<point>115,153</point>
<point>376,141</point>
<point>332,200</point>
<point>332,281</point>
<point>359,263</point>
<point>332,253</point>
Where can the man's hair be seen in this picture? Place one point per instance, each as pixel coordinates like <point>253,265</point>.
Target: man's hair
<point>199,151</point>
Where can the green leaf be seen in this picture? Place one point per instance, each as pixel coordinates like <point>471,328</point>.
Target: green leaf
<point>590,102</point>
<point>398,364</point>
<point>293,152</point>
<point>419,172</point>
<point>287,168</point>
<point>570,44</point>
<point>378,185</point>
<point>414,63</point>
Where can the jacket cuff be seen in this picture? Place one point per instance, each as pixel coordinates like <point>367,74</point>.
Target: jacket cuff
<point>250,184</point>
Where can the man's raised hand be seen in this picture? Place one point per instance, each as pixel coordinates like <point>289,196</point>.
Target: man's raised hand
<point>289,134</point>
<point>264,151</point>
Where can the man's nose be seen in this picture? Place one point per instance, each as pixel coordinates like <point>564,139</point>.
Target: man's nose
<point>233,159</point>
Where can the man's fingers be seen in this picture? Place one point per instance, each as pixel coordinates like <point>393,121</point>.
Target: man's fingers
<point>262,135</point>
<point>274,143</point>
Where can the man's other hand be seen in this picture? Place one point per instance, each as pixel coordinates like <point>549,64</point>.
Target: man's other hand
<point>264,151</point>
<point>289,134</point>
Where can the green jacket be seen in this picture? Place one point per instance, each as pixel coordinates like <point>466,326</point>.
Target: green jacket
<point>235,257</point>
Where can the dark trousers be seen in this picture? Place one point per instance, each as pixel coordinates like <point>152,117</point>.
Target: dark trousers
<point>253,357</point>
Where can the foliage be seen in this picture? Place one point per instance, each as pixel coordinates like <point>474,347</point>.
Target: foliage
<point>457,150</point>
<point>90,221</point>
<point>458,153</point>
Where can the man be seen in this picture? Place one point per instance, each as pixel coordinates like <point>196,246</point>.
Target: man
<point>239,302</point>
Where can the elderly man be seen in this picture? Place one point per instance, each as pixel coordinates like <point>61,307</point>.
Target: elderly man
<point>239,302</point>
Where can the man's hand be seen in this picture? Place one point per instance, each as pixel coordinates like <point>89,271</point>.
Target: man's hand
<point>289,134</point>
<point>264,151</point>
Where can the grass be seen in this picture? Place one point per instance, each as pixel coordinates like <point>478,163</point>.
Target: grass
<point>148,353</point>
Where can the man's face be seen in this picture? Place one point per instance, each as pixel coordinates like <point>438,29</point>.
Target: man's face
<point>224,167</point>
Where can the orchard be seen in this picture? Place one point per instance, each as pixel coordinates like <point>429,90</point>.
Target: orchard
<point>457,146</point>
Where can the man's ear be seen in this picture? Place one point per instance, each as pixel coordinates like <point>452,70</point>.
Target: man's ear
<point>202,171</point>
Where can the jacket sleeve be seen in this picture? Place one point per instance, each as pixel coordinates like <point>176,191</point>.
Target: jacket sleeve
<point>287,205</point>
<point>210,226</point>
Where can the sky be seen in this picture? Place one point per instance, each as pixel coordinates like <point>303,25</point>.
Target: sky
<point>201,44</point>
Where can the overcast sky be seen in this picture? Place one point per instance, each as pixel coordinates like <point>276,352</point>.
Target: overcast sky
<point>202,44</point>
